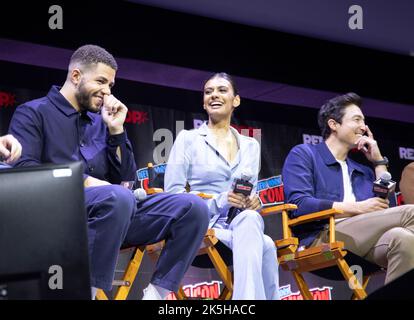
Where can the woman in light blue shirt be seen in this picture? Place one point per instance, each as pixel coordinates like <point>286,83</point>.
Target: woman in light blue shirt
<point>208,159</point>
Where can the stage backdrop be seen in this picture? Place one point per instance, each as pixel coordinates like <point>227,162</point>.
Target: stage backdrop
<point>152,131</point>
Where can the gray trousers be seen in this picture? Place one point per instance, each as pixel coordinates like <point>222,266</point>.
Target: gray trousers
<point>384,237</point>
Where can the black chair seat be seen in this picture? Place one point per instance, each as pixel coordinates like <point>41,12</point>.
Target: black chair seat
<point>203,261</point>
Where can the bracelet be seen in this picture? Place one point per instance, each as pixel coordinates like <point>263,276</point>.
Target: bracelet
<point>383,162</point>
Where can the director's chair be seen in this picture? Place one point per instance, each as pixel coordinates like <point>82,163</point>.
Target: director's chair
<point>326,260</point>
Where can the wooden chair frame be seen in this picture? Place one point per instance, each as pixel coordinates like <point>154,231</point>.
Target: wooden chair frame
<point>209,241</point>
<point>313,258</point>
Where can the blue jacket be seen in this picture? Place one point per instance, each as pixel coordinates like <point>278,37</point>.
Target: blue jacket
<point>313,181</point>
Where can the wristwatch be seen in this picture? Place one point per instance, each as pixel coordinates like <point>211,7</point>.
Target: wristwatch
<point>383,162</point>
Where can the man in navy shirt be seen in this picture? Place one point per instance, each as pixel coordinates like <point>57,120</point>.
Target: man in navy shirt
<point>320,177</point>
<point>84,121</point>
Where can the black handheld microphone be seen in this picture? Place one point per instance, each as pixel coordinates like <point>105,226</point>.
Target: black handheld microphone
<point>243,186</point>
<point>383,186</point>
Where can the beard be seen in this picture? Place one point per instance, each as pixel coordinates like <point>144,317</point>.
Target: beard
<point>84,99</point>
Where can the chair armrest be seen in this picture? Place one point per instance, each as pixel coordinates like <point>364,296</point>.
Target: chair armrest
<point>278,209</point>
<point>205,195</point>
<point>154,190</point>
<point>159,190</point>
<point>286,246</point>
<point>320,215</point>
<point>282,243</point>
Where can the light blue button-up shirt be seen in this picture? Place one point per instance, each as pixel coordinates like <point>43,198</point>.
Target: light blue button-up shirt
<point>195,159</point>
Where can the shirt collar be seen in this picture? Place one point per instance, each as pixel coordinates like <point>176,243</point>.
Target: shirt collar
<point>326,154</point>
<point>329,159</point>
<point>60,102</point>
<point>203,131</point>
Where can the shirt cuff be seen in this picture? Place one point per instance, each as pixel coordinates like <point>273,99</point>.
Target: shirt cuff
<point>325,205</point>
<point>117,139</point>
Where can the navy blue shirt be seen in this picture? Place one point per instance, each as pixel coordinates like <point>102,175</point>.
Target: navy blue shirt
<point>313,181</point>
<point>50,130</point>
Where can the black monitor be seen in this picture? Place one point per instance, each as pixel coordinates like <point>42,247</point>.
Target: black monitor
<point>43,233</point>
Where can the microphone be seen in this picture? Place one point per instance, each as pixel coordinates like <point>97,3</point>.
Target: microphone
<point>243,186</point>
<point>140,194</point>
<point>383,186</point>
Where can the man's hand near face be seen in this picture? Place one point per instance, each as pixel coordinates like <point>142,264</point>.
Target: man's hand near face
<point>369,147</point>
<point>114,113</point>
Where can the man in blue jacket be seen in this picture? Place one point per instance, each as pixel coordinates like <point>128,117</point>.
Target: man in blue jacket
<point>83,121</point>
<point>322,176</point>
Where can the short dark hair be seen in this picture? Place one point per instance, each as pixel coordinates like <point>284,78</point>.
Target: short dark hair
<point>335,109</point>
<point>90,54</point>
<point>225,76</point>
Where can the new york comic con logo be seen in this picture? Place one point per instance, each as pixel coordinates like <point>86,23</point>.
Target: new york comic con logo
<point>270,191</point>
<point>7,99</point>
<point>324,293</point>
<point>203,290</point>
<point>211,290</point>
<point>143,177</point>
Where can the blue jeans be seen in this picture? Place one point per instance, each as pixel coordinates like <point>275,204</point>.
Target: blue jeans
<point>3,165</point>
<point>115,218</point>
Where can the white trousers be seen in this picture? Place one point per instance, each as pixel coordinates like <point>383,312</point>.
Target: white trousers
<point>255,263</point>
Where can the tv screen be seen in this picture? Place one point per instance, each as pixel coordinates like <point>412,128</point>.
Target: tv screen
<point>43,233</point>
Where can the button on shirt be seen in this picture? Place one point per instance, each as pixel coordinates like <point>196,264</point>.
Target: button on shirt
<point>195,159</point>
<point>52,131</point>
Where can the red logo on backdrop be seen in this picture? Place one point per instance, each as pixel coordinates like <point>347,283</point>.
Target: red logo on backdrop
<point>323,293</point>
<point>252,132</point>
<point>211,290</point>
<point>7,99</point>
<point>134,117</point>
<point>204,290</point>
